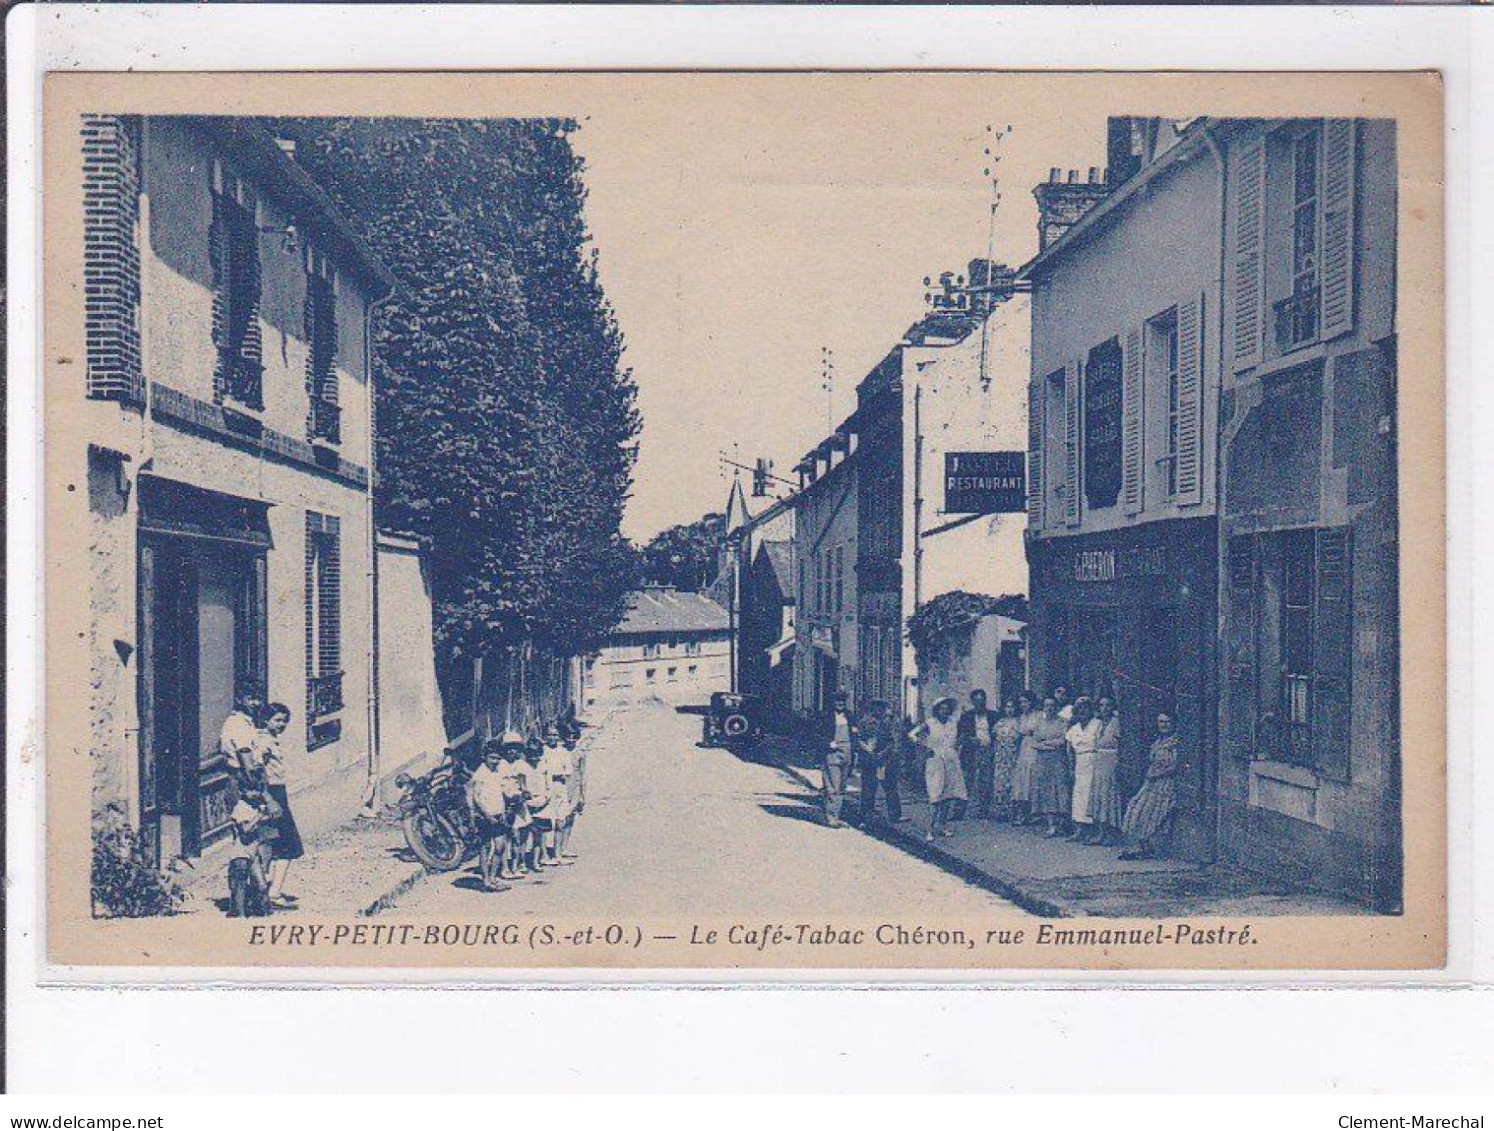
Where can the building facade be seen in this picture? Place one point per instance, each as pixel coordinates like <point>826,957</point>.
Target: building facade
<point>227,427</point>
<point>1122,409</point>
<point>946,389</point>
<point>1310,757</point>
<point>671,645</point>
<point>825,555</point>
<point>767,629</point>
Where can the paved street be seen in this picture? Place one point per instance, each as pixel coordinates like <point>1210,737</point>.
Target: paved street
<point>672,829</point>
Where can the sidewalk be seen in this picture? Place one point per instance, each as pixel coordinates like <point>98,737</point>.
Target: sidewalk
<point>355,869</point>
<point>1057,878</point>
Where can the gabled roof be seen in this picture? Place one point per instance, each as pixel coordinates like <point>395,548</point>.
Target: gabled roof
<point>780,559</point>
<point>670,610</point>
<point>737,514</point>
<point>245,141</point>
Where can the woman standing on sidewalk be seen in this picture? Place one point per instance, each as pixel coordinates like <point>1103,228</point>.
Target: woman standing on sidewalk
<point>1024,772</point>
<point>942,775</point>
<point>287,843</point>
<point>1052,784</point>
<point>1006,737</point>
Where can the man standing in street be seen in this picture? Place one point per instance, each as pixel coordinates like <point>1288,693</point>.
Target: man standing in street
<point>976,736</point>
<point>839,756</point>
<point>881,753</point>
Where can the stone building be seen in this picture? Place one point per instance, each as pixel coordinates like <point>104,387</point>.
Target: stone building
<point>1122,406</point>
<point>671,645</point>
<point>225,424</point>
<point>1310,755</point>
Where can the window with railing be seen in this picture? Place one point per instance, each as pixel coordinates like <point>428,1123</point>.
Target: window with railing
<point>1296,315</point>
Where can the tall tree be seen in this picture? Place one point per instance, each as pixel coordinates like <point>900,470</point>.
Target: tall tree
<point>507,424</point>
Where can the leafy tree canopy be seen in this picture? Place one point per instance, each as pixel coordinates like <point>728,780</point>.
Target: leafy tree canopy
<point>958,610</point>
<point>507,424</point>
<point>684,556</point>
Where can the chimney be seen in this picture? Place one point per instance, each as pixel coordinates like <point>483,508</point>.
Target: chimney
<point>1061,203</point>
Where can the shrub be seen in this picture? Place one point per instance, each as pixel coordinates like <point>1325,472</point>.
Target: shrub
<point>124,882</point>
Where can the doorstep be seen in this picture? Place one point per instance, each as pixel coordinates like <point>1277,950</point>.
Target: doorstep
<point>1056,878</point>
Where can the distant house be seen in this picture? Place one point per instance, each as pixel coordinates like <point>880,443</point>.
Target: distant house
<point>672,645</point>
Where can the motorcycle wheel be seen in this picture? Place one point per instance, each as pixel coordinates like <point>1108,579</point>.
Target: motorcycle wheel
<point>434,840</point>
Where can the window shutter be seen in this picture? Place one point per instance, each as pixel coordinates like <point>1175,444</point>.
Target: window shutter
<point>1133,473</point>
<point>111,270</point>
<point>1036,395</point>
<point>1071,402</point>
<point>219,256</point>
<point>1190,402</point>
<point>145,668</point>
<point>1333,635</point>
<point>1240,633</point>
<point>1249,259</point>
<point>1338,227</point>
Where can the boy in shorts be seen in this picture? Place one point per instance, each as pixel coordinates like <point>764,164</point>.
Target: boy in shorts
<point>490,814</point>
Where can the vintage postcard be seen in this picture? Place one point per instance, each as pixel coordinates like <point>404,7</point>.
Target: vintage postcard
<point>871,525</point>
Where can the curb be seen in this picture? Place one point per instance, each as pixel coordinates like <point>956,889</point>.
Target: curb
<point>1006,886</point>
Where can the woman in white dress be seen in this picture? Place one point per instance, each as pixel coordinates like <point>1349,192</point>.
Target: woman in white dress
<point>1083,738</point>
<point>942,775</point>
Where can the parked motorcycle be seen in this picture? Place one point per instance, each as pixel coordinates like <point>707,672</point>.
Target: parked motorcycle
<point>435,816</point>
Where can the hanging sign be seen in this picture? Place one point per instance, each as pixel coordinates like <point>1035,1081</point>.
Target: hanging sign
<point>985,482</point>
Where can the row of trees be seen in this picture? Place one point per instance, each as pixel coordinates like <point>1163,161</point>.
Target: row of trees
<point>507,423</point>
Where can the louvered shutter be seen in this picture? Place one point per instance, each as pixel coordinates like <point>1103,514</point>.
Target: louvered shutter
<point>1190,402</point>
<point>1071,406</point>
<point>1248,190</point>
<point>1338,227</point>
<point>1036,395</point>
<point>1332,653</point>
<point>1133,467</point>
<point>220,256</point>
<point>1240,628</point>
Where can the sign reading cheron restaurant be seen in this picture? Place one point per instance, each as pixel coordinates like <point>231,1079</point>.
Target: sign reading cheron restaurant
<point>985,482</point>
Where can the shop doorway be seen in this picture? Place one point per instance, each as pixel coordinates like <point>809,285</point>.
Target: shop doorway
<point>202,637</point>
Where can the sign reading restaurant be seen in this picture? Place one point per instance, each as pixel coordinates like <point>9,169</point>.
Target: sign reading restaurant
<point>985,482</point>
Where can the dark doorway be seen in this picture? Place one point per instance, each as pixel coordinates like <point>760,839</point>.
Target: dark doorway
<point>202,631</point>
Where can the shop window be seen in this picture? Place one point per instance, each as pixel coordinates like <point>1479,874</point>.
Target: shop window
<point>1290,641</point>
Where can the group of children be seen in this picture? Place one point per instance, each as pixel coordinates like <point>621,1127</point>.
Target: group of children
<point>525,798</point>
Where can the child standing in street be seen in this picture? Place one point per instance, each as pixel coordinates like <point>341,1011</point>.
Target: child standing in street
<point>561,766</point>
<point>490,814</point>
<point>516,810</point>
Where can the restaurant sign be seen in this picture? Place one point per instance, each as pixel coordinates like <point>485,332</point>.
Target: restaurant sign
<point>985,482</point>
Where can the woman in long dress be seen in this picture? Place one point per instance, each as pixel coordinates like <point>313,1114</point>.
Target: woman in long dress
<point>1082,737</point>
<point>1052,785</point>
<point>1006,737</point>
<point>1024,771</point>
<point>287,845</point>
<point>1153,809</point>
<point>942,775</point>
<point>1106,809</point>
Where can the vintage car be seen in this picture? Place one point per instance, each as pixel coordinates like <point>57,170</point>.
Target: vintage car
<point>732,719</point>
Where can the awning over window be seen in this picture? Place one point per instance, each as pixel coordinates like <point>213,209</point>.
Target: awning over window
<point>170,507</point>
<point>779,649</point>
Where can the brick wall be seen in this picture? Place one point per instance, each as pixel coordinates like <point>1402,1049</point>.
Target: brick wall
<point>111,249</point>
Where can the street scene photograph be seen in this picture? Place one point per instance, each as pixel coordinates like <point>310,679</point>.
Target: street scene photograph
<point>843,521</point>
